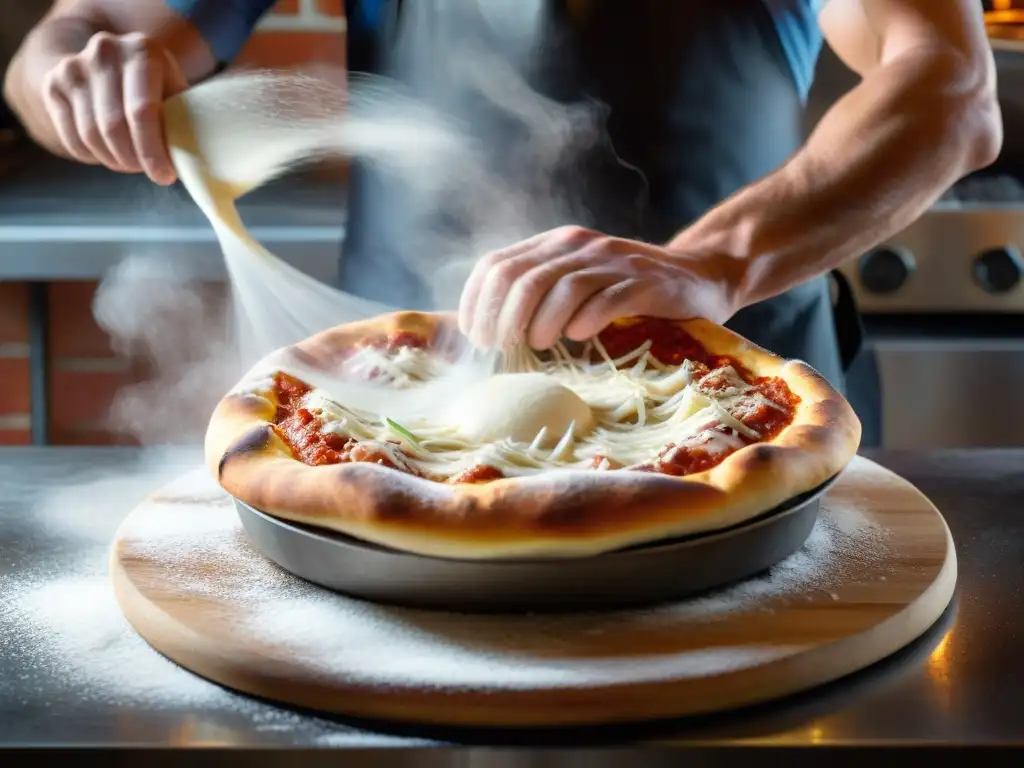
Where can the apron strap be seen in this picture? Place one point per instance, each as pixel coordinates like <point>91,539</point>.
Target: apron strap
<point>848,324</point>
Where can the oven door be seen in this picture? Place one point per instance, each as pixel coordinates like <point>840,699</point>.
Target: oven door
<point>951,392</point>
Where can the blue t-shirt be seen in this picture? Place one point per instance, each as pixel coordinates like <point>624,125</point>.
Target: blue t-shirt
<point>227,24</point>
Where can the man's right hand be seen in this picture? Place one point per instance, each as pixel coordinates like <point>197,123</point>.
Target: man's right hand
<point>106,103</point>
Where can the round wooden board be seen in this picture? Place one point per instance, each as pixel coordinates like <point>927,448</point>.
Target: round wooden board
<point>877,571</point>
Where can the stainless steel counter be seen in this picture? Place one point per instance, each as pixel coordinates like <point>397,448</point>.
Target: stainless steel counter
<point>73,673</point>
<point>64,221</point>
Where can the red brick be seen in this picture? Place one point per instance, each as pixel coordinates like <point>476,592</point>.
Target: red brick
<point>331,7</point>
<point>13,312</point>
<point>15,437</point>
<point>74,331</point>
<point>14,385</point>
<point>83,398</point>
<point>275,49</point>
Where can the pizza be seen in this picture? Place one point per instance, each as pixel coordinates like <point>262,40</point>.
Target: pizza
<point>652,430</point>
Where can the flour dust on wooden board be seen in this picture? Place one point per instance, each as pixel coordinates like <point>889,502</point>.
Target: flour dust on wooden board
<point>192,531</point>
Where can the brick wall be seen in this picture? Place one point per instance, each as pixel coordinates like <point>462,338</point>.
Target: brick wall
<point>298,31</point>
<point>85,372</point>
<point>14,381</point>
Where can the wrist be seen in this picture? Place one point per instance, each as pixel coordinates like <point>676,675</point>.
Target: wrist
<point>721,258</point>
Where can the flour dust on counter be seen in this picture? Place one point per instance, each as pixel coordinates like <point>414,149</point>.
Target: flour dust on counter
<point>77,630</point>
<point>80,638</point>
<point>65,634</point>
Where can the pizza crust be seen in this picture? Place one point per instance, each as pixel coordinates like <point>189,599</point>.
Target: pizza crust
<point>568,513</point>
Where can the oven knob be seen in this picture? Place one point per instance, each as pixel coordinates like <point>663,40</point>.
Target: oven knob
<point>885,269</point>
<point>998,270</point>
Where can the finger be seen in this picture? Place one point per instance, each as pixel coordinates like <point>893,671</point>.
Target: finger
<point>497,282</point>
<point>102,61</point>
<point>500,279</point>
<point>497,297</point>
<point>626,298</point>
<point>88,128</point>
<point>470,298</point>
<point>59,109</point>
<point>561,304</point>
<point>143,93</point>
<point>108,107</point>
<point>474,283</point>
<point>530,290</point>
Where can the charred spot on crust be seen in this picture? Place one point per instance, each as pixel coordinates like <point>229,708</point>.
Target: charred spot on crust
<point>815,376</point>
<point>759,455</point>
<point>831,412</point>
<point>581,507</point>
<point>377,490</point>
<point>255,440</point>
<point>567,515</point>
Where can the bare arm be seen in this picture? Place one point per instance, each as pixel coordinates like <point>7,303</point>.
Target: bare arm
<point>924,115</point>
<point>157,51</point>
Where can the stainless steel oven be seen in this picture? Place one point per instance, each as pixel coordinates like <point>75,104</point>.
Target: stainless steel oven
<point>943,301</point>
<point>951,393</point>
<point>943,306</point>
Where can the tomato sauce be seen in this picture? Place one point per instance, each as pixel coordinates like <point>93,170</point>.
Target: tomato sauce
<point>670,344</point>
<point>387,344</point>
<point>602,462</point>
<point>301,429</point>
<point>395,341</point>
<point>681,461</point>
<point>481,473</point>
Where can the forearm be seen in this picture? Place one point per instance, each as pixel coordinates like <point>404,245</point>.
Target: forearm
<point>876,161</point>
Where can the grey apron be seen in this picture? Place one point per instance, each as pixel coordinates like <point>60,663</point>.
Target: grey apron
<point>696,100</point>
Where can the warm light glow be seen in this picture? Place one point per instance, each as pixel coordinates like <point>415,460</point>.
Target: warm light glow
<point>938,661</point>
<point>195,733</point>
<point>1002,5</point>
<point>938,670</point>
<point>813,734</point>
<point>1004,13</point>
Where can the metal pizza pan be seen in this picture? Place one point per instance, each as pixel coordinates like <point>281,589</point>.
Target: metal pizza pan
<point>638,576</point>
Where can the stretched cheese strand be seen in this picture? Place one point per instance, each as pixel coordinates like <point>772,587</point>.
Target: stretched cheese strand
<point>640,406</point>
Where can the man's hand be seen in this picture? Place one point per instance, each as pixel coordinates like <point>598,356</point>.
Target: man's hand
<point>573,282</point>
<point>89,80</point>
<point>105,103</point>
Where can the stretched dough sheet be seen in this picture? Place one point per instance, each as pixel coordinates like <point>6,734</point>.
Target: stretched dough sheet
<point>236,133</point>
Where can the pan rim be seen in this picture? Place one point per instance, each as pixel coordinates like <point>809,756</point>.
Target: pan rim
<point>658,547</point>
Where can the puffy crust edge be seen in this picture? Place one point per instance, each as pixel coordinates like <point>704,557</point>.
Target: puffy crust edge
<point>564,514</point>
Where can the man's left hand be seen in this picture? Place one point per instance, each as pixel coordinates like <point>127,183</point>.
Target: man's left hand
<point>573,282</point>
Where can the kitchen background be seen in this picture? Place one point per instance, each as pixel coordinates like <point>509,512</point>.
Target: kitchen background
<point>944,300</point>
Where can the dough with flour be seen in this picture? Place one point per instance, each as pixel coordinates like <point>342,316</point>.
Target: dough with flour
<point>518,406</point>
